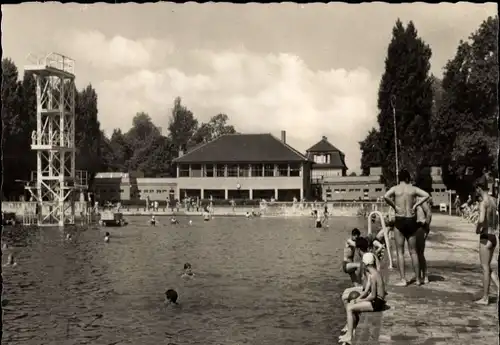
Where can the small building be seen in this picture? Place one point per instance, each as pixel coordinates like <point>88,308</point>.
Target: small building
<point>348,188</point>
<point>440,194</point>
<point>244,166</point>
<point>116,186</point>
<point>157,188</point>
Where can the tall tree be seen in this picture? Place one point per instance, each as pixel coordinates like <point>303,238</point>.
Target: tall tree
<point>121,151</point>
<point>182,126</point>
<point>216,127</point>
<point>406,85</point>
<point>371,154</point>
<point>87,132</point>
<point>466,128</point>
<point>12,131</point>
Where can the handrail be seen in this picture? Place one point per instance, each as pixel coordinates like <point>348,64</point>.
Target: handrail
<point>386,232</point>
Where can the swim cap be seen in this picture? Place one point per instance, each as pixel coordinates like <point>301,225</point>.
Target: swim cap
<point>368,259</point>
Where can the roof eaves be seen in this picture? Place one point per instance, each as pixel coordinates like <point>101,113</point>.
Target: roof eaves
<point>302,157</point>
<point>175,160</point>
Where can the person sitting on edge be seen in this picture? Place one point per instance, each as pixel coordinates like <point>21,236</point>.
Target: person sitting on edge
<point>106,237</point>
<point>486,227</point>
<point>402,199</point>
<point>348,265</point>
<point>372,298</point>
<point>174,220</point>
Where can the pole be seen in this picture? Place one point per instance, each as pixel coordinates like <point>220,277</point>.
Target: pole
<point>393,104</point>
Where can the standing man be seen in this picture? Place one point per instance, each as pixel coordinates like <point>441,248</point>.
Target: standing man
<point>486,228</point>
<point>402,198</point>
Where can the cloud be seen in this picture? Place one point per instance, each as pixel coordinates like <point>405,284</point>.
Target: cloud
<point>259,92</point>
<point>117,52</point>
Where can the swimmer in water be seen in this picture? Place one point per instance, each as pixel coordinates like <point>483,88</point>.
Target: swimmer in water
<point>206,214</point>
<point>10,259</point>
<point>190,222</point>
<point>486,228</point>
<point>188,273</point>
<point>106,237</point>
<point>174,220</point>
<point>171,296</point>
<point>405,199</point>
<point>319,223</point>
<point>325,216</point>
<point>68,237</point>
<point>153,221</point>
<point>348,265</point>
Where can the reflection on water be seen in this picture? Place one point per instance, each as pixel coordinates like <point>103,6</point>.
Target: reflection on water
<point>258,281</point>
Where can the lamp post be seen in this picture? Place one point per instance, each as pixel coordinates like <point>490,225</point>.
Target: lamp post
<point>393,105</point>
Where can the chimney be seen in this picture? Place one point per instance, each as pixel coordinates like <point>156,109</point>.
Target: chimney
<point>324,138</point>
<point>283,137</point>
<point>181,153</point>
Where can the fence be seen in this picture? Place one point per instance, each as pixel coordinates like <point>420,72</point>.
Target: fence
<point>265,208</point>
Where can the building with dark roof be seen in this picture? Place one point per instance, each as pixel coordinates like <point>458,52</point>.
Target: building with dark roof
<point>244,166</point>
<point>328,161</point>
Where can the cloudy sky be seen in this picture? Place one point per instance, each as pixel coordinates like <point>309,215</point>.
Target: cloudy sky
<point>311,70</point>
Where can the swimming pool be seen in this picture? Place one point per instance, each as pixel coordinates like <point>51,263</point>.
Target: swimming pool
<point>257,281</point>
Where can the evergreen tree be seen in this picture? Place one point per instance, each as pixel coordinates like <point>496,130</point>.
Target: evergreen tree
<point>406,85</point>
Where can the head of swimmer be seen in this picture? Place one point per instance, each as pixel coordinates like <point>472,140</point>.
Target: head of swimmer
<point>171,296</point>
<point>187,268</point>
<point>363,245</point>
<point>404,176</point>
<point>355,234</point>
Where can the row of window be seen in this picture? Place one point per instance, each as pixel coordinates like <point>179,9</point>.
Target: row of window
<point>110,191</point>
<point>237,170</point>
<point>352,190</point>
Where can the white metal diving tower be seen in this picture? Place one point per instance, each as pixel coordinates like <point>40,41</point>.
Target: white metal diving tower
<point>54,183</point>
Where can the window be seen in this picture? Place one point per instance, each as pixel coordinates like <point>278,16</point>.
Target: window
<point>268,170</point>
<point>196,170</point>
<point>184,170</point>
<point>295,170</point>
<point>221,170</point>
<point>232,170</point>
<point>121,190</point>
<point>328,193</point>
<point>244,170</point>
<point>158,191</point>
<point>366,190</point>
<point>351,190</point>
<point>378,189</point>
<point>443,190</point>
<point>257,170</point>
<point>282,169</point>
<point>342,191</point>
<point>336,190</point>
<point>209,170</point>
<point>151,190</point>
<point>358,190</point>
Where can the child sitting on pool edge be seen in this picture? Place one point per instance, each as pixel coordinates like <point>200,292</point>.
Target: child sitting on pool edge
<point>372,299</point>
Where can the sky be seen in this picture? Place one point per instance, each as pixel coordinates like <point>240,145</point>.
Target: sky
<point>312,70</point>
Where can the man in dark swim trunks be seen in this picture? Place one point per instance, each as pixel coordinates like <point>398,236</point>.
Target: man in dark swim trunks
<point>486,228</point>
<point>405,222</point>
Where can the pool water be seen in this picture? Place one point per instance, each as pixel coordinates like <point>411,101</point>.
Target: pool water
<point>257,281</point>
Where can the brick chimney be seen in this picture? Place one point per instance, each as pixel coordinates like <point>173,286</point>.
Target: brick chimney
<point>181,153</point>
<point>283,137</point>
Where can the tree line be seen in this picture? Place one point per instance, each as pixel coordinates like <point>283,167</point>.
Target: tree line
<point>451,123</point>
<point>142,148</point>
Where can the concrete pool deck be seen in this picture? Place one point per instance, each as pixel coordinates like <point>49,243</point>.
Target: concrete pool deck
<point>443,311</point>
